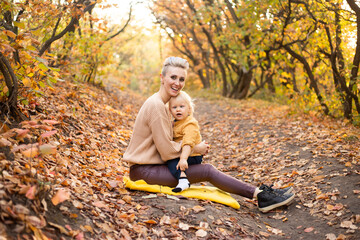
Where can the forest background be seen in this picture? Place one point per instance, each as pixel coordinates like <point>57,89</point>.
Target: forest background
<point>303,54</point>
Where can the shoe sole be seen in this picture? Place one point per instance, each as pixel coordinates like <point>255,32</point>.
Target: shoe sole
<point>271,207</point>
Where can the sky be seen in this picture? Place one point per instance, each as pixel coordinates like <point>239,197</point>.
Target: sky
<point>120,10</point>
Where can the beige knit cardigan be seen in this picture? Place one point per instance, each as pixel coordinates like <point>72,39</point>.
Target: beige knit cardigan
<point>152,138</point>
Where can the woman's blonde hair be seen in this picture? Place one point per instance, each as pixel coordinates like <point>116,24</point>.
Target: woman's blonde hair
<point>174,62</point>
<point>187,98</point>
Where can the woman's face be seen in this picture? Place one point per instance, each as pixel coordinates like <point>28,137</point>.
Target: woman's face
<point>173,81</point>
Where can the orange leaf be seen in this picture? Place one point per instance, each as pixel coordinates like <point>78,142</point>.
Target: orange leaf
<point>309,229</point>
<point>31,152</point>
<point>127,199</point>
<point>10,34</point>
<point>61,196</point>
<point>88,228</point>
<point>30,194</point>
<point>47,149</point>
<point>198,209</point>
<point>330,207</point>
<point>38,233</point>
<point>100,204</point>
<point>150,222</point>
<point>322,196</point>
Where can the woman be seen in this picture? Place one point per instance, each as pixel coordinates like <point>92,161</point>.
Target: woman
<point>152,144</point>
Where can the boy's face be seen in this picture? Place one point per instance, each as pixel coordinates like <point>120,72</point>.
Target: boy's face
<point>179,108</point>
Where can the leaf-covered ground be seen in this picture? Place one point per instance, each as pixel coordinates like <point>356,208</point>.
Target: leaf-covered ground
<point>61,173</point>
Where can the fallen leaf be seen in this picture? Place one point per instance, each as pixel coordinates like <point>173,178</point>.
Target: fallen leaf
<point>78,204</point>
<point>309,229</point>
<point>150,221</point>
<point>348,164</point>
<point>125,234</point>
<point>330,236</point>
<point>48,134</point>
<point>275,230</point>
<point>322,196</point>
<point>21,133</point>
<point>100,204</point>
<point>47,149</point>
<point>184,226</point>
<point>277,152</point>
<point>44,203</point>
<point>30,194</point>
<point>150,196</point>
<point>165,220</point>
<point>50,122</point>
<point>87,228</point>
<point>113,184</point>
<point>127,199</point>
<point>341,237</point>
<point>348,224</point>
<point>61,196</point>
<point>105,226</point>
<point>201,233</point>
<point>172,197</point>
<point>265,234</point>
<point>20,209</point>
<point>31,152</point>
<point>80,236</point>
<point>38,233</point>
<point>198,209</point>
<point>4,142</point>
<point>36,222</point>
<point>203,225</point>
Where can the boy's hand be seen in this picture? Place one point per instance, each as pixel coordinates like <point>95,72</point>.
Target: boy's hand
<point>182,165</point>
<point>201,148</point>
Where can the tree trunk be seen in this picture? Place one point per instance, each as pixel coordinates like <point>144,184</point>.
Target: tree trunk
<point>11,81</point>
<point>74,21</point>
<point>313,83</point>
<point>356,61</point>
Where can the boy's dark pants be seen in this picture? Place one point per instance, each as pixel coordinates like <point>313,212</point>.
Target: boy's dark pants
<point>192,160</point>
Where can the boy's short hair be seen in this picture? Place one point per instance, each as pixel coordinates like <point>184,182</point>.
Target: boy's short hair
<point>187,99</point>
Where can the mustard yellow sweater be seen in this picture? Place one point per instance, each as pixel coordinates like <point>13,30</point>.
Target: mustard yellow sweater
<point>187,131</point>
<point>152,138</point>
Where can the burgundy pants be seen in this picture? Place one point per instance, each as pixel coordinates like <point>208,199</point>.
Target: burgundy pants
<point>160,174</point>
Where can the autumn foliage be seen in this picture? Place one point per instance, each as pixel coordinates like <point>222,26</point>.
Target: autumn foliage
<point>43,42</point>
<point>64,127</point>
<point>308,51</point>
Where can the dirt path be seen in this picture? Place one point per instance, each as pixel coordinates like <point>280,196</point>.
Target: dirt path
<point>250,141</point>
<point>265,146</point>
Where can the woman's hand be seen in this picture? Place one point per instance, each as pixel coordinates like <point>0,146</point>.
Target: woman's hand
<point>182,165</point>
<point>201,148</point>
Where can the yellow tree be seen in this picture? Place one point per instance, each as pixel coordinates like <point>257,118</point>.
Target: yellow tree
<point>28,29</point>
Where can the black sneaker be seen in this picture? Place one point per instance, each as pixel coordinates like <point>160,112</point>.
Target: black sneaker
<point>268,199</point>
<point>282,191</point>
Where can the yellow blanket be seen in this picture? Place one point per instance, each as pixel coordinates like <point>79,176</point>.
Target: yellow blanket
<point>207,193</point>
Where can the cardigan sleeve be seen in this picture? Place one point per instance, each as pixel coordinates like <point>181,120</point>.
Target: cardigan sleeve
<point>190,131</point>
<point>161,130</point>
